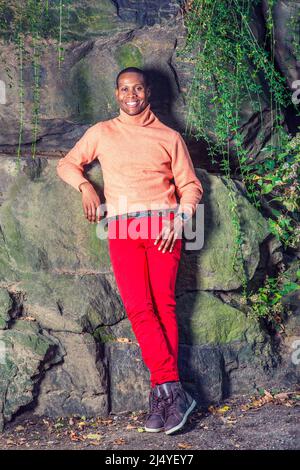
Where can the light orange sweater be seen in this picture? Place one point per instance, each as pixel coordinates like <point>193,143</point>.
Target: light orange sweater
<point>139,156</point>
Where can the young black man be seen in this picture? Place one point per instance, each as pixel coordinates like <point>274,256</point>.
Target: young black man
<point>139,157</point>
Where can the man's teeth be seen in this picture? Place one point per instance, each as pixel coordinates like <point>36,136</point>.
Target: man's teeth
<point>132,103</point>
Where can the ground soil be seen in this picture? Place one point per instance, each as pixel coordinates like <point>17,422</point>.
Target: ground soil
<point>262,422</point>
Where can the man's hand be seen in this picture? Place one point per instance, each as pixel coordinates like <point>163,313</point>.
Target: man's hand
<point>170,231</point>
<point>90,202</point>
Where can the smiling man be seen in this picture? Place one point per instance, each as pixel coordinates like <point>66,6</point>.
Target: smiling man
<point>139,157</point>
<point>132,92</point>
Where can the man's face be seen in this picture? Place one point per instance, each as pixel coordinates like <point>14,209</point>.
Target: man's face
<point>132,94</point>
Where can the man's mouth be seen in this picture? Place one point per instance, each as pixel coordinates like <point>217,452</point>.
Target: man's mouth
<point>132,104</point>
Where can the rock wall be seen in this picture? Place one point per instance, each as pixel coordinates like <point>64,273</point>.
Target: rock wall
<point>63,323</point>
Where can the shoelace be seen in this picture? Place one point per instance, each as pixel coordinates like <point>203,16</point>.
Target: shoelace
<point>170,402</point>
<point>156,404</point>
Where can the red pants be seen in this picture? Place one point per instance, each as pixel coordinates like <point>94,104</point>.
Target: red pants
<point>146,281</point>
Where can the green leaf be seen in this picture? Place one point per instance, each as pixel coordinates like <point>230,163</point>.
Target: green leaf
<point>289,287</point>
<point>276,212</point>
<point>267,189</point>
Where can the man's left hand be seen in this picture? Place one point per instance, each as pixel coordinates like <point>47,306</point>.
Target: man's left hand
<point>170,232</point>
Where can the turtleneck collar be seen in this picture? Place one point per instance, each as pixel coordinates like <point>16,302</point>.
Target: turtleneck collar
<point>144,118</point>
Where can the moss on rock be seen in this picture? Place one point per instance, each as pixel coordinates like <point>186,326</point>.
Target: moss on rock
<point>204,319</point>
<point>128,55</point>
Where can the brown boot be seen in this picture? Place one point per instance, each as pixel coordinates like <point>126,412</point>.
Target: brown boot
<point>156,417</point>
<point>178,405</point>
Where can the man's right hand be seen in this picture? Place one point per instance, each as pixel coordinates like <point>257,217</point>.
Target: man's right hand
<point>90,202</point>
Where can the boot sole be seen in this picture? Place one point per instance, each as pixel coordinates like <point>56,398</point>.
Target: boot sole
<point>153,429</point>
<point>182,423</point>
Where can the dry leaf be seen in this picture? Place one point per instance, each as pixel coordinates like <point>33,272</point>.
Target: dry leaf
<point>268,396</point>
<point>123,340</point>
<point>19,428</point>
<point>281,396</point>
<point>224,409</point>
<point>119,441</point>
<point>94,437</point>
<point>130,426</point>
<point>74,436</point>
<point>106,421</point>
<point>81,424</point>
<point>184,445</point>
<point>212,409</point>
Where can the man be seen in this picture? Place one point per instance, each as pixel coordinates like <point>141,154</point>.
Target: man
<point>139,157</point>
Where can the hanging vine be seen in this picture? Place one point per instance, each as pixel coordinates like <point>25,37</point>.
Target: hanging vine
<point>30,21</point>
<point>233,69</point>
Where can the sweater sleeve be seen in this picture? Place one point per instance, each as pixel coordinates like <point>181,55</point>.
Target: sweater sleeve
<point>70,167</point>
<point>188,186</point>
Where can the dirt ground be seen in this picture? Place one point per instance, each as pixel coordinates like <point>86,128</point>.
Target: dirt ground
<point>268,421</point>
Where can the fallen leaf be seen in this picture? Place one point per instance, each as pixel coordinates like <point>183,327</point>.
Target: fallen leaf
<point>19,428</point>
<point>94,437</point>
<point>140,429</point>
<point>123,340</point>
<point>119,441</point>
<point>74,436</point>
<point>228,420</point>
<point>81,424</point>
<point>288,403</point>
<point>184,445</point>
<point>130,426</point>
<point>106,421</point>
<point>224,409</point>
<point>268,396</point>
<point>59,425</point>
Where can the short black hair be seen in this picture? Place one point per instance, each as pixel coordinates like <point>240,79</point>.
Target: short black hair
<point>136,70</point>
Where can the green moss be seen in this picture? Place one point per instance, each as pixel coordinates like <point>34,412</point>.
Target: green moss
<point>80,18</point>
<point>103,335</point>
<point>5,306</point>
<point>32,341</point>
<point>98,249</point>
<point>204,319</point>
<point>128,55</point>
<point>83,91</point>
<point>3,323</point>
